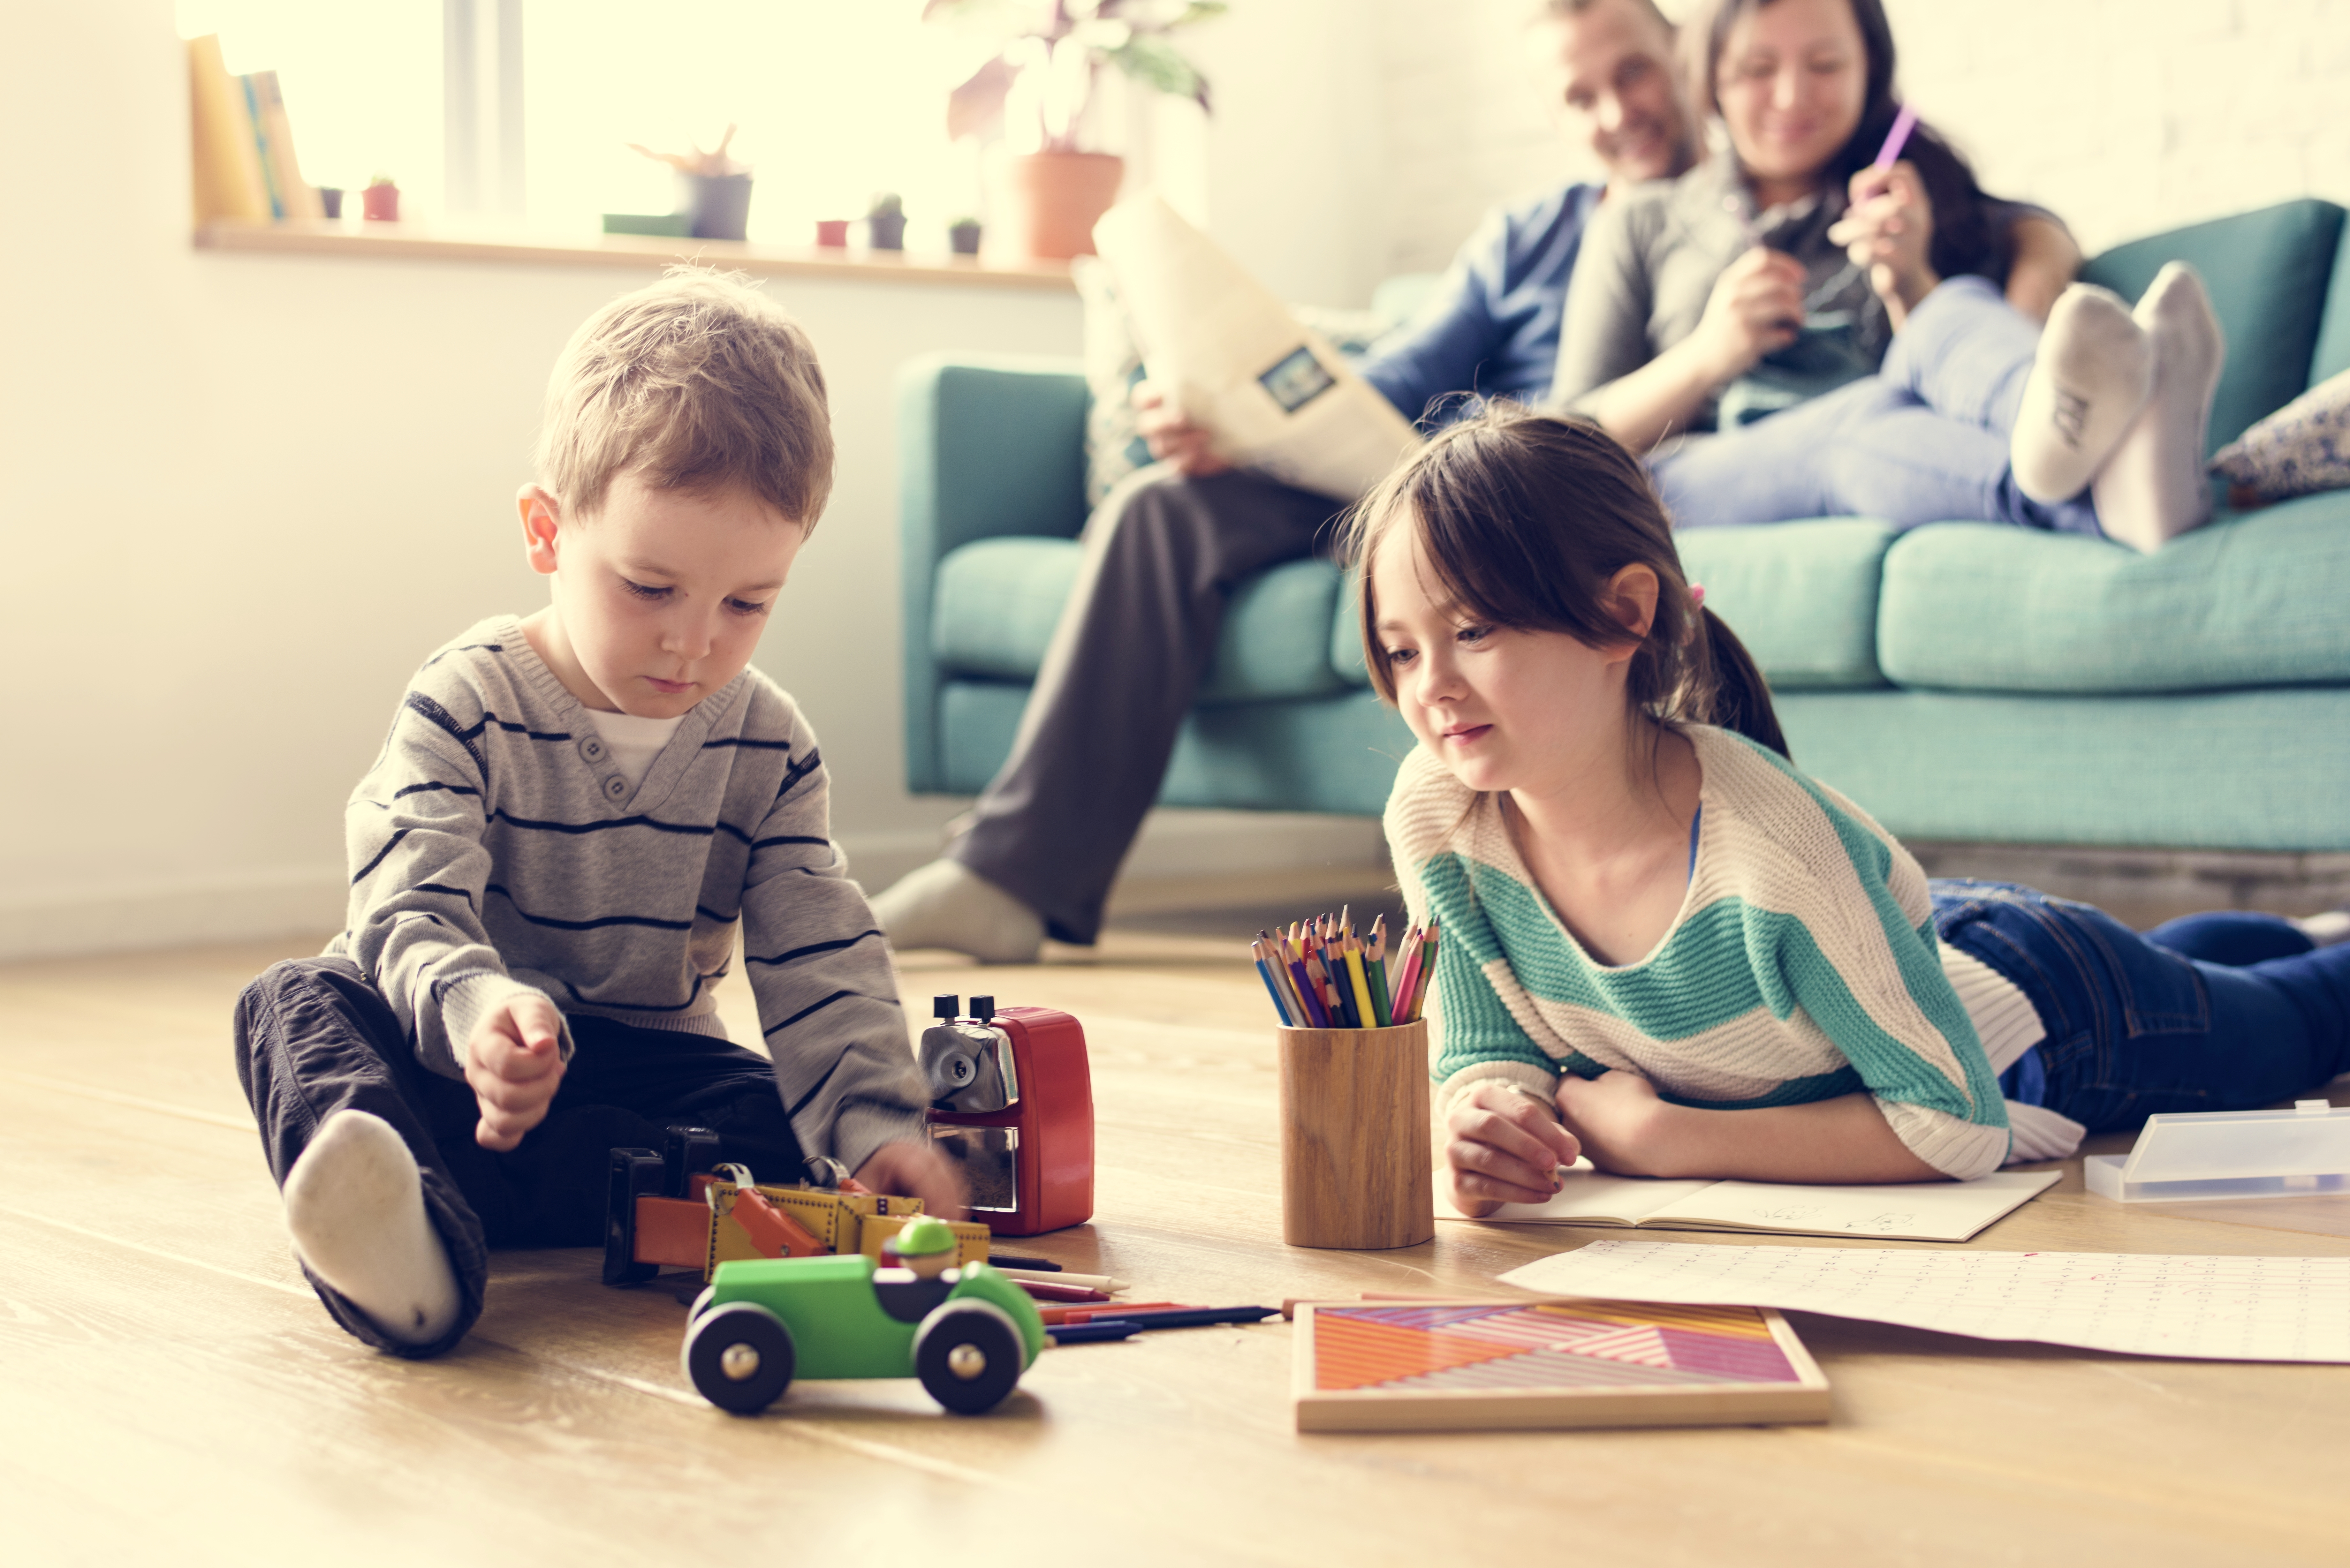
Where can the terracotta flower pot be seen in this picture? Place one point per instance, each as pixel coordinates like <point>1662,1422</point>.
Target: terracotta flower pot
<point>380,202</point>
<point>832,233</point>
<point>1048,202</point>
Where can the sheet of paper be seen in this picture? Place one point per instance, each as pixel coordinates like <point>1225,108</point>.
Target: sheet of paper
<point>1277,398</point>
<point>1910,1211</point>
<point>1589,1195</point>
<point>1913,1211</point>
<point>2210,1308</point>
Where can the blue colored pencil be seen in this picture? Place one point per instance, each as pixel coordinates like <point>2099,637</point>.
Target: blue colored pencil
<point>1271,990</point>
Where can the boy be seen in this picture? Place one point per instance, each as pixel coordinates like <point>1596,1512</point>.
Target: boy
<point>550,858</point>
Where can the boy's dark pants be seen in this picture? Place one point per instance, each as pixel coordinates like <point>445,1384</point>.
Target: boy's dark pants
<point>314,1037</point>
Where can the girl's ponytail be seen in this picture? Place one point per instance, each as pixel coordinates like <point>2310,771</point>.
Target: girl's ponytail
<point>1740,697</point>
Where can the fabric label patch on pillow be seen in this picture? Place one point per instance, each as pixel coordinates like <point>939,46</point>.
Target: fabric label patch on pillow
<point>2302,447</point>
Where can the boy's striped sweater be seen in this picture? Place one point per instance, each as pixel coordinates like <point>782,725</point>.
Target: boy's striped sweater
<point>495,846</point>
<point>1802,964</point>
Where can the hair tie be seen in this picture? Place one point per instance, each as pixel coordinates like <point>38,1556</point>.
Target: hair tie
<point>1697,595</point>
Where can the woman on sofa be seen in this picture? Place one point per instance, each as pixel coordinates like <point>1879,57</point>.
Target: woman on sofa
<point>1843,327</point>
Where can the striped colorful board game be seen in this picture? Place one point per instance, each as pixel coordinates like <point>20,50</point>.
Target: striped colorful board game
<point>1427,1366</point>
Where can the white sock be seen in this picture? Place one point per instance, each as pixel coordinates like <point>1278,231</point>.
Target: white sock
<point>355,1204</point>
<point>2093,373</point>
<point>946,904</point>
<point>2329,929</point>
<point>2154,487</point>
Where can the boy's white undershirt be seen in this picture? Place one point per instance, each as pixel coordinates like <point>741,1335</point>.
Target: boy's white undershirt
<point>634,742</point>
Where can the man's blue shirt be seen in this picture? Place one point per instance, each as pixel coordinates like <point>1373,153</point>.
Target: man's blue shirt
<point>1492,326</point>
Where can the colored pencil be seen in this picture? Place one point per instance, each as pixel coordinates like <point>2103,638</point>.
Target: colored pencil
<point>1016,1260</point>
<point>1897,138</point>
<point>1407,974</point>
<point>1375,972</point>
<point>1428,950</point>
<point>1047,1290</point>
<point>1185,1317</point>
<point>1317,1017</point>
<point>1256,951</point>
<point>1091,1333</point>
<point>1365,1015</point>
<point>1085,1311</point>
<point>1063,1277</point>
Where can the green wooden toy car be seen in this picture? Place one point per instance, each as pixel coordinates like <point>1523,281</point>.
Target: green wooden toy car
<point>967,1334</point>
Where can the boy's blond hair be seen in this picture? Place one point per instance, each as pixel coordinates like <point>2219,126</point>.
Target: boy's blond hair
<point>697,382</point>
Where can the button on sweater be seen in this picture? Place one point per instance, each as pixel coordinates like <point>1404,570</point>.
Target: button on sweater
<point>497,846</point>
<point>1802,966</point>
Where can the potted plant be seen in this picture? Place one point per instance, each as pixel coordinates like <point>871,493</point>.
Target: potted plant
<point>380,199</point>
<point>885,222</point>
<point>714,190</point>
<point>1034,91</point>
<point>962,235</point>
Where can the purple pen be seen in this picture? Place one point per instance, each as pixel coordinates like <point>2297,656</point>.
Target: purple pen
<point>1895,140</point>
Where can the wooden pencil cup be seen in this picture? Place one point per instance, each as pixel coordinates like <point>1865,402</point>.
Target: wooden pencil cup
<point>1353,1138</point>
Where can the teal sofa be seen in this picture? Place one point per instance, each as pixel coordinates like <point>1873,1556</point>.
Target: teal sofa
<point>1961,681</point>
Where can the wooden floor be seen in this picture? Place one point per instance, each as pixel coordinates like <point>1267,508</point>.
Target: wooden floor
<point>172,1393</point>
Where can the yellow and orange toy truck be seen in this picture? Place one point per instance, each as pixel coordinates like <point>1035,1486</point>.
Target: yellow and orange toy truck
<point>680,1209</point>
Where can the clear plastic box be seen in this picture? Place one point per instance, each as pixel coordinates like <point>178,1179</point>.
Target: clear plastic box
<point>2301,1153</point>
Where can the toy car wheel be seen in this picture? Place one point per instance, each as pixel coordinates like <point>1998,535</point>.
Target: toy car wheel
<point>968,1355</point>
<point>740,1356</point>
<point>701,1303</point>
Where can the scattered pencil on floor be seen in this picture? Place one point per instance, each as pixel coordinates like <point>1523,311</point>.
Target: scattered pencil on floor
<point>1321,974</point>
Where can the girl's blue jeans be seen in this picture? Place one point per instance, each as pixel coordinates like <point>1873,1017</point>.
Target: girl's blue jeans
<point>2213,1013</point>
<point>1925,439</point>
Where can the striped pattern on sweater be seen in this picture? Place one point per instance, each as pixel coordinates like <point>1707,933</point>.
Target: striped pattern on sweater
<point>496,846</point>
<point>1802,964</point>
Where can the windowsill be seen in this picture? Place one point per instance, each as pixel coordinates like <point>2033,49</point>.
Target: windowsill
<point>416,243</point>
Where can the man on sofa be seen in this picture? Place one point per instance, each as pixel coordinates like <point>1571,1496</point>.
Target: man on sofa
<point>1045,841</point>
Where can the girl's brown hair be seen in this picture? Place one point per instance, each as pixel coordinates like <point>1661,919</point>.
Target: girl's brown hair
<point>1525,519</point>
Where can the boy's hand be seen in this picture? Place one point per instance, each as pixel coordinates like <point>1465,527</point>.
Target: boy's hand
<point>915,1171</point>
<point>1619,1120</point>
<point>514,1063</point>
<point>1172,438</point>
<point>1506,1148</point>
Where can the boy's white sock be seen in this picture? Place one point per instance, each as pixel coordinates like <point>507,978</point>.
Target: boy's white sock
<point>2093,373</point>
<point>2329,929</point>
<point>2154,487</point>
<point>946,904</point>
<point>355,1204</point>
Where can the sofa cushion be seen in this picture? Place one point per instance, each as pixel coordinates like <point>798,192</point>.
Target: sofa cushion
<point>996,603</point>
<point>2248,600</point>
<point>1801,597</point>
<point>999,599</point>
<point>2267,272</point>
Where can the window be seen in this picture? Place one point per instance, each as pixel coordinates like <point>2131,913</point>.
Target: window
<point>833,100</point>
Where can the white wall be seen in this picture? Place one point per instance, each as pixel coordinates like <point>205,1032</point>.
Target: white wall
<point>242,496</point>
<point>2124,115</point>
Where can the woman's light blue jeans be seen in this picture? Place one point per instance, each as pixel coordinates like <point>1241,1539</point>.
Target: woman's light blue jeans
<point>2214,1012</point>
<point>1925,439</point>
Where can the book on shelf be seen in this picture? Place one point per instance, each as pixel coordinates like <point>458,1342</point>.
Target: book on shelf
<point>1906,1211</point>
<point>229,182</point>
<point>242,143</point>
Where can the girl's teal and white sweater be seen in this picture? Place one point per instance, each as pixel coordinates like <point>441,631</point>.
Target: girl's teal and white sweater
<point>1802,964</point>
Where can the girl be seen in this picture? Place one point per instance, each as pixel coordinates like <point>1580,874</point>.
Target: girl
<point>1866,361</point>
<point>1669,950</point>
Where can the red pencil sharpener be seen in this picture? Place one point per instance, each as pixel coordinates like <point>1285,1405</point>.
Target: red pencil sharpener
<point>1012,1103</point>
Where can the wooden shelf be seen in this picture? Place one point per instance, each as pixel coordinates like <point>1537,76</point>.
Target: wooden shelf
<point>415,242</point>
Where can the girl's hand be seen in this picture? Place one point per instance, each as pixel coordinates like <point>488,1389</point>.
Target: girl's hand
<point>1756,309</point>
<point>1617,1120</point>
<point>1172,437</point>
<point>1505,1147</point>
<point>1890,229</point>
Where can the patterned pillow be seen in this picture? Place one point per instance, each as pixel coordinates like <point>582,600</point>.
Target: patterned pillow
<point>2302,447</point>
<point>1114,443</point>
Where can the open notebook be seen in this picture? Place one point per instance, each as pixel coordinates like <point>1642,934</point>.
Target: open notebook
<point>1911,1211</point>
